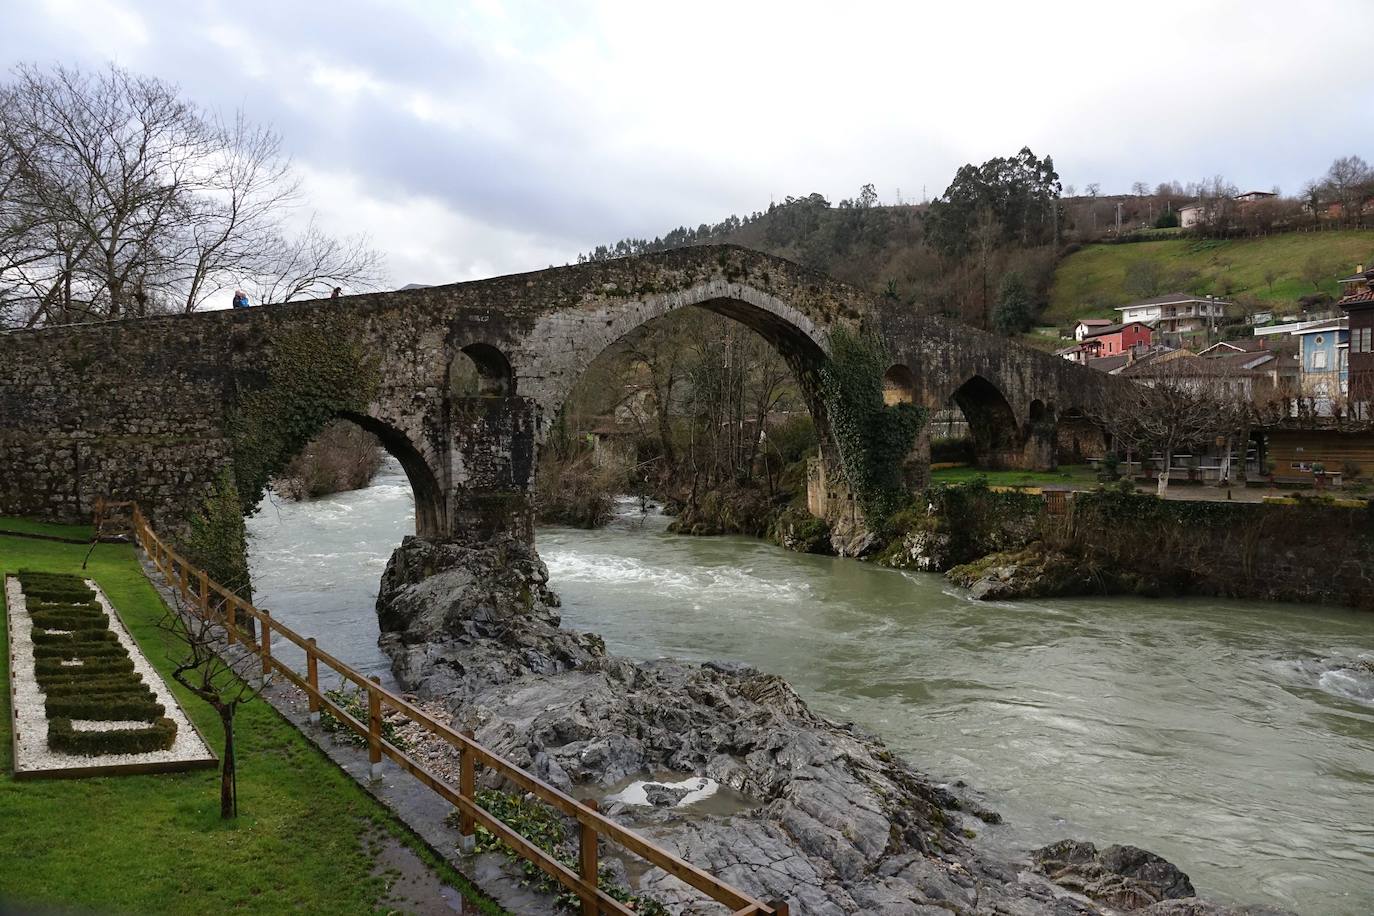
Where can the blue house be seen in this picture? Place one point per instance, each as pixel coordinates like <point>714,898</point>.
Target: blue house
<point>1325,360</point>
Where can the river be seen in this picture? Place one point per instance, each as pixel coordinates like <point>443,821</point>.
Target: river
<point>1233,738</point>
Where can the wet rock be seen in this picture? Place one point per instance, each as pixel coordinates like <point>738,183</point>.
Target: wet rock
<point>1037,572</point>
<point>1122,876</point>
<point>661,796</point>
<point>838,824</point>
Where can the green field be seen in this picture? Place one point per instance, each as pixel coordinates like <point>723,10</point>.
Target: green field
<point>306,840</point>
<point>1068,475</point>
<point>1090,282</point>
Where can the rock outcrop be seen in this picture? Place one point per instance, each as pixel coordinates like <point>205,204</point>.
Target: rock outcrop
<point>831,821</point>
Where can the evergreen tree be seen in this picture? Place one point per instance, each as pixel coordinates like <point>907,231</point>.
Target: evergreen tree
<point>1014,309</point>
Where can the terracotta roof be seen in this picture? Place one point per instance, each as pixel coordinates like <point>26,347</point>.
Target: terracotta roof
<point>1095,322</point>
<point>1362,298</point>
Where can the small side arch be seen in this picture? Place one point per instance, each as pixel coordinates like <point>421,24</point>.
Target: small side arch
<point>481,370</point>
<point>899,385</point>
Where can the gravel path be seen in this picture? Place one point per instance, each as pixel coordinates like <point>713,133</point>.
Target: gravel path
<point>32,756</point>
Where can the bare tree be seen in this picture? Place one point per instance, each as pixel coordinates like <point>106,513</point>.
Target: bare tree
<point>1347,183</point>
<point>206,666</point>
<point>1184,402</point>
<point>119,197</point>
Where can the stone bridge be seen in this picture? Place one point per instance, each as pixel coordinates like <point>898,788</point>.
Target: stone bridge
<point>143,408</point>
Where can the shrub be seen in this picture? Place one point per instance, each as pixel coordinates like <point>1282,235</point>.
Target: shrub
<point>158,736</point>
<point>129,685</point>
<point>53,667</point>
<point>66,636</point>
<point>106,707</point>
<point>86,651</point>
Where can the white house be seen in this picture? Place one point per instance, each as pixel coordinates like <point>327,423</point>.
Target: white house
<point>1086,327</point>
<point>1176,313</point>
<point>1191,215</point>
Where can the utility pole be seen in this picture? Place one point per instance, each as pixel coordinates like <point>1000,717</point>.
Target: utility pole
<point>1118,217</point>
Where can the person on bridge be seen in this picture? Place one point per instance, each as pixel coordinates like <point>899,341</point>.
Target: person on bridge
<point>240,299</point>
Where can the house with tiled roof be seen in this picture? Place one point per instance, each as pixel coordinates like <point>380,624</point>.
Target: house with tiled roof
<point>1358,304</point>
<point>1174,314</point>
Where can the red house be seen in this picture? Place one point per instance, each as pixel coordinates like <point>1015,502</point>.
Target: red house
<point>1121,338</point>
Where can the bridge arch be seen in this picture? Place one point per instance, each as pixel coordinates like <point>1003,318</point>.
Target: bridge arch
<point>992,422</point>
<point>430,509</point>
<point>563,345</point>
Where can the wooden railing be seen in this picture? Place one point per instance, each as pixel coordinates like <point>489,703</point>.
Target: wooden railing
<point>209,599</point>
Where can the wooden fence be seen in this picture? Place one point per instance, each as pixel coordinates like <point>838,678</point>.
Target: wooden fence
<point>211,600</point>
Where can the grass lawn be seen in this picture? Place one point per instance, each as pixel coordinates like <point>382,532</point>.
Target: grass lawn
<point>1076,475</point>
<point>156,844</point>
<point>1090,282</point>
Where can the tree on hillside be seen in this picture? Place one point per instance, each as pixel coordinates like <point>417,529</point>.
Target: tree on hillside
<point>1015,306</point>
<point>1316,270</point>
<point>1144,278</point>
<point>1018,191</point>
<point>1347,183</point>
<point>120,197</point>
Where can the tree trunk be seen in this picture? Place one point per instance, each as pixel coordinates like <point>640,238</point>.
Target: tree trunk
<point>228,779</point>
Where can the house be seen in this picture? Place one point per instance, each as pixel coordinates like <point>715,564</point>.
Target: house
<point>1086,326</point>
<point>1121,338</point>
<point>1173,314</point>
<point>1251,197</point>
<point>1323,379</point>
<point>1191,215</point>
<point>1358,304</point>
<point>1112,365</point>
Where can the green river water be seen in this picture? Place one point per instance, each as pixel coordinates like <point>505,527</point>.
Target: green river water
<point>1234,738</point>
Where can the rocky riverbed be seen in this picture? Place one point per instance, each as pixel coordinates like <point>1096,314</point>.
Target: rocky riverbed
<point>827,817</point>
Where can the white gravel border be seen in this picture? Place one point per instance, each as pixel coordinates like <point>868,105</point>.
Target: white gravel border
<point>31,753</point>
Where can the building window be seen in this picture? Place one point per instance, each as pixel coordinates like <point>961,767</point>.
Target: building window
<point>1319,357</point>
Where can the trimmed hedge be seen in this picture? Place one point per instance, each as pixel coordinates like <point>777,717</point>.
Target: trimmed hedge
<point>50,667</point>
<point>87,651</point>
<point>157,736</point>
<point>104,688</point>
<point>72,636</point>
<point>128,686</point>
<point>111,707</point>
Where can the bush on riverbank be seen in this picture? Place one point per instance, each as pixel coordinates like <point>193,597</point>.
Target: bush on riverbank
<point>947,525</point>
<point>575,492</point>
<point>341,457</point>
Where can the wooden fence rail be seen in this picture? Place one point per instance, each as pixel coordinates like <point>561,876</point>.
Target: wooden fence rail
<point>211,600</point>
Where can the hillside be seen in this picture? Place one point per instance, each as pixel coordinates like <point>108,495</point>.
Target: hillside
<point>1089,282</point>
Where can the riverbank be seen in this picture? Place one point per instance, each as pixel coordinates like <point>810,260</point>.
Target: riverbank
<point>1116,540</point>
<point>826,815</point>
<point>307,839</point>
<point>1178,724</point>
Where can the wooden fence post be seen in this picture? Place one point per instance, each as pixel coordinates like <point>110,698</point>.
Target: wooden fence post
<point>467,789</point>
<point>185,585</point>
<point>312,674</point>
<point>266,643</point>
<point>587,862</point>
<point>374,727</point>
<point>204,595</point>
<point>779,907</point>
<point>231,620</point>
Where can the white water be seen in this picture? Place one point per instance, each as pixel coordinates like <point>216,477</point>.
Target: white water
<point>1234,738</point>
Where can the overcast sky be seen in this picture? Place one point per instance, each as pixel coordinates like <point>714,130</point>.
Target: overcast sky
<point>474,139</point>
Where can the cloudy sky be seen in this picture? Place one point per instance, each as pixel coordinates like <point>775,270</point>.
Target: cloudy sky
<point>473,139</point>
